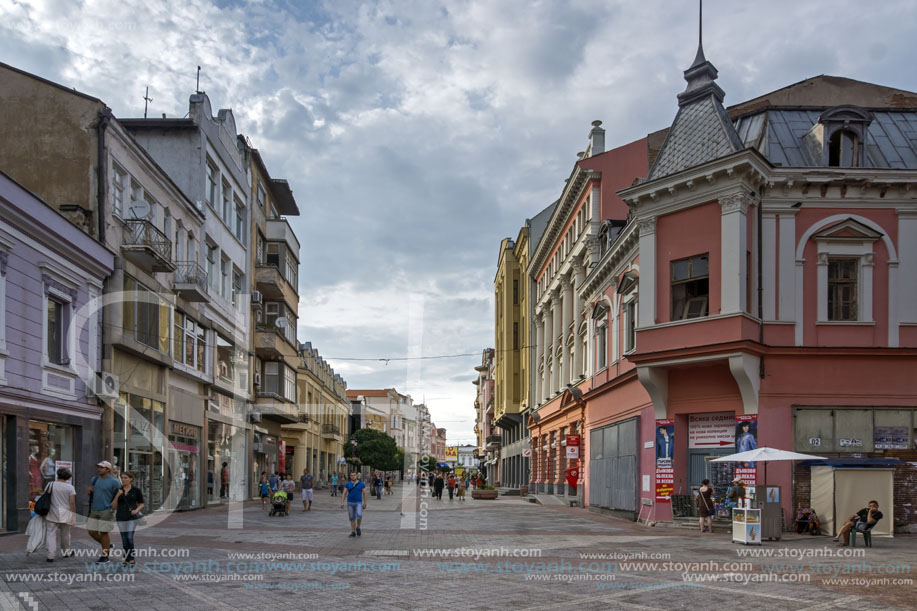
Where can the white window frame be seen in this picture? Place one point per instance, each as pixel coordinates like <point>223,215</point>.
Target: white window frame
<point>630,314</point>
<point>117,191</point>
<point>600,341</point>
<point>212,183</point>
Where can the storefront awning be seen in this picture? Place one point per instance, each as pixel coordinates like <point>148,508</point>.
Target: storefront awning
<point>851,462</point>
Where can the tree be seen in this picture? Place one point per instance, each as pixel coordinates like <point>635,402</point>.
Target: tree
<point>375,449</point>
<point>427,463</point>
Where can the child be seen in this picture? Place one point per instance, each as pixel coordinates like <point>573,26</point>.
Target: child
<point>264,488</point>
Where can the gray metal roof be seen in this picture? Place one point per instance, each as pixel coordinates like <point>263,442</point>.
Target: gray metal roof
<point>700,133</point>
<point>778,134</point>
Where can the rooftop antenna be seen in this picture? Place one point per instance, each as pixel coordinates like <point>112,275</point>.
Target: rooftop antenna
<point>146,100</point>
<point>699,58</point>
<point>198,87</point>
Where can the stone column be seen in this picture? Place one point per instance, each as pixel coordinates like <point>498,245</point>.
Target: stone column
<point>566,321</point>
<point>734,249</point>
<point>548,344</point>
<point>646,316</point>
<point>557,335</point>
<point>579,345</point>
<point>540,352</point>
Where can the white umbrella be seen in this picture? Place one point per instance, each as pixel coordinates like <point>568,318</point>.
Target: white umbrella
<point>764,455</point>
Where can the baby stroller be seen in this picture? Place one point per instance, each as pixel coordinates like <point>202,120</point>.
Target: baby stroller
<point>278,504</point>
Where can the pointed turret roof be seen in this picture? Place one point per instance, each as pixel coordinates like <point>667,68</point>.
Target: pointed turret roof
<point>701,130</point>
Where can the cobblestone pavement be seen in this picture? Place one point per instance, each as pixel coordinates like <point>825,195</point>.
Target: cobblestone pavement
<point>391,566</point>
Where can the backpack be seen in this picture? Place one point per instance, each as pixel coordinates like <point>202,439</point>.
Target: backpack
<point>43,504</point>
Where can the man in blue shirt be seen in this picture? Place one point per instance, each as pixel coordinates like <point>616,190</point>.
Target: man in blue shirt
<point>355,496</point>
<point>102,492</point>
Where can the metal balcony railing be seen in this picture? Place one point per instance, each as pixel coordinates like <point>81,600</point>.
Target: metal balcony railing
<point>140,232</point>
<point>191,272</point>
<point>330,429</point>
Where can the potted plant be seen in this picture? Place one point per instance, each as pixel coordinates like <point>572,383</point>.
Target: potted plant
<point>485,493</point>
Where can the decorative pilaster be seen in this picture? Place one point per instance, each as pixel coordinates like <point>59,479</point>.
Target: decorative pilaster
<point>566,321</point>
<point>734,252</point>
<point>646,228</point>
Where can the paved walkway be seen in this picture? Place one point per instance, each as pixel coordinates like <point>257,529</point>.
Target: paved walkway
<point>528,557</point>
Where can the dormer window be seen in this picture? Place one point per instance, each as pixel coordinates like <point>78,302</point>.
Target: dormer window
<point>843,149</point>
<point>840,134</point>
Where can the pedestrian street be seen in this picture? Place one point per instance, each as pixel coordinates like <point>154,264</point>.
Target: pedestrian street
<point>419,553</point>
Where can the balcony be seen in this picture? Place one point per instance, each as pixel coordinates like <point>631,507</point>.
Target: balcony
<point>147,247</point>
<point>492,442</point>
<point>272,407</point>
<point>280,230</point>
<point>273,286</point>
<point>331,431</point>
<point>191,281</point>
<point>271,344</point>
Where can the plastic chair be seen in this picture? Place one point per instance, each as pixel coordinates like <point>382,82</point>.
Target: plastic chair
<point>867,537</point>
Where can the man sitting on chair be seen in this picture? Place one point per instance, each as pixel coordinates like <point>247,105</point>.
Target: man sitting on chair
<point>862,521</point>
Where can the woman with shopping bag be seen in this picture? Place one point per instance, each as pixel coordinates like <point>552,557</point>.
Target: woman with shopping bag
<point>61,516</point>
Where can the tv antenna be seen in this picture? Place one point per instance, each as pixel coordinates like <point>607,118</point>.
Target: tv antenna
<point>198,87</point>
<point>146,100</point>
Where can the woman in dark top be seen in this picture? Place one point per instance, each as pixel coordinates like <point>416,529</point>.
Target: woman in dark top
<point>130,503</point>
<point>705,508</point>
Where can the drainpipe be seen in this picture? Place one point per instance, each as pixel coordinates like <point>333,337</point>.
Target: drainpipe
<point>760,266</point>
<point>104,117</point>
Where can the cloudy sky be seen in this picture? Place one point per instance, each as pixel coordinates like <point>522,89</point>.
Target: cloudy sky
<point>418,134</point>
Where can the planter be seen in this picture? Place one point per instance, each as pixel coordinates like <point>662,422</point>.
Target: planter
<point>484,495</point>
<point>523,490</point>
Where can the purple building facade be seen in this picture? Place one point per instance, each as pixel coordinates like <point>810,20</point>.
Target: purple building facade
<point>51,278</point>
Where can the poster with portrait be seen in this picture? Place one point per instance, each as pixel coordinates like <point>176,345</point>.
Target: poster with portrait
<point>665,443</point>
<point>746,440</point>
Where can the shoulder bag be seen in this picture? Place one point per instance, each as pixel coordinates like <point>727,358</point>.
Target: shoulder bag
<point>43,504</point>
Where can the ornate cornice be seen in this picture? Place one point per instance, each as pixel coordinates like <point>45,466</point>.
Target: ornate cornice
<point>735,202</point>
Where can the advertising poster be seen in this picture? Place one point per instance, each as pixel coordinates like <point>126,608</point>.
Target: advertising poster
<point>572,476</point>
<point>890,438</point>
<point>746,439</point>
<point>773,495</point>
<point>451,453</point>
<point>752,533</point>
<point>665,443</point>
<point>665,453</point>
<point>711,430</point>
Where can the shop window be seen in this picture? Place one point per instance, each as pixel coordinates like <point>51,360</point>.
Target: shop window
<point>842,288</point>
<point>690,287</point>
<point>50,448</point>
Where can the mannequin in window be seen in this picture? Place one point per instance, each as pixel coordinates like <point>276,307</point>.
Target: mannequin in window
<point>35,481</point>
<point>48,470</point>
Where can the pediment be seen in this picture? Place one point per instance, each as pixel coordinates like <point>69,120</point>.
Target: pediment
<point>848,230</point>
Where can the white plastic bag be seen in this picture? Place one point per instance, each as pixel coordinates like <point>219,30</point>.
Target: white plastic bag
<point>36,531</point>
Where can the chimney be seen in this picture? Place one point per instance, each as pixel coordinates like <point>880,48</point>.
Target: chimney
<point>596,139</point>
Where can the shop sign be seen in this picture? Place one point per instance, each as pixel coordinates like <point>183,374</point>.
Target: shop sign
<point>184,447</point>
<point>851,443</point>
<point>716,430</point>
<point>185,430</point>
<point>526,452</point>
<point>573,442</point>
<point>451,453</point>
<point>890,438</point>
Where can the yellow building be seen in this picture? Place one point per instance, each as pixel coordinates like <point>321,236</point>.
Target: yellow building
<point>316,441</point>
<point>513,354</point>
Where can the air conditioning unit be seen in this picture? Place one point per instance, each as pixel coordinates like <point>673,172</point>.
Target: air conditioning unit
<point>257,298</point>
<point>255,417</point>
<point>257,380</point>
<point>106,385</point>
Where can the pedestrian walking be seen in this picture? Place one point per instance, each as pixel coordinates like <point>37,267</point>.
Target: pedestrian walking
<point>388,484</point>
<point>451,485</point>
<point>438,485</point>
<point>461,490</point>
<point>274,481</point>
<point>705,509</point>
<point>224,481</point>
<point>377,485</point>
<point>355,499</point>
<point>130,504</point>
<point>306,484</point>
<point>334,484</point>
<point>264,489</point>
<point>288,486</point>
<point>61,516</point>
<point>102,489</point>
